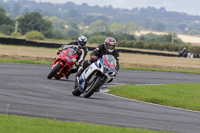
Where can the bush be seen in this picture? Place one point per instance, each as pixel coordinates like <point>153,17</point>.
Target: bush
<point>97,39</point>
<point>15,35</point>
<point>194,49</point>
<point>34,35</point>
<point>2,35</point>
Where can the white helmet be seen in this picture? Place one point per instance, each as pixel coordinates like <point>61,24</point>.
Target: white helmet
<point>82,40</point>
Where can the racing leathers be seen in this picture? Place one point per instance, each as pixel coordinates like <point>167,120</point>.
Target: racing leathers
<point>98,53</point>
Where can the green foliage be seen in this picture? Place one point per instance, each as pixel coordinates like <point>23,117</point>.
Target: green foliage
<point>72,32</point>
<point>99,39</point>
<point>194,49</point>
<point>159,27</point>
<point>7,29</point>
<point>117,28</point>
<point>2,35</point>
<point>118,37</point>
<point>15,35</point>
<point>6,24</point>
<point>193,32</point>
<point>72,24</point>
<point>60,34</point>
<point>5,19</point>
<point>158,46</point>
<point>96,27</point>
<point>160,38</point>
<point>34,21</point>
<point>57,23</point>
<point>34,35</point>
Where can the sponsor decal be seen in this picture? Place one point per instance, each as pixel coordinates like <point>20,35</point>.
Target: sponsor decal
<point>73,59</point>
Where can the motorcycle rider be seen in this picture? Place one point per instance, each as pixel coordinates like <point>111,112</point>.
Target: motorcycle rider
<point>81,45</point>
<point>185,52</point>
<point>107,48</point>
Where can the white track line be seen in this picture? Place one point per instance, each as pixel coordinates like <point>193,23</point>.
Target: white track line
<point>105,93</point>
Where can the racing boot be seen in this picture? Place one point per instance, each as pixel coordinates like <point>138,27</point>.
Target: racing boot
<point>78,74</point>
<point>67,76</point>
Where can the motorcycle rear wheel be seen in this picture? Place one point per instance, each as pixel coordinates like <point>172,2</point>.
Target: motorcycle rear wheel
<point>54,71</point>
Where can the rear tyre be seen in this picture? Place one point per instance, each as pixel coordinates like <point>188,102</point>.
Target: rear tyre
<point>76,91</point>
<point>54,71</point>
<point>58,78</point>
<point>93,88</point>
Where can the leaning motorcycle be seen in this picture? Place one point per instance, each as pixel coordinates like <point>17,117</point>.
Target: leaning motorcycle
<point>64,63</point>
<point>95,75</point>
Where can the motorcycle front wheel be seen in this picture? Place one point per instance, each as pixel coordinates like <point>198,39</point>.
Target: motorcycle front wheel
<point>92,88</point>
<point>54,71</point>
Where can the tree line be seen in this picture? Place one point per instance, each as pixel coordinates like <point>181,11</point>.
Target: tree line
<point>149,18</point>
<point>34,24</point>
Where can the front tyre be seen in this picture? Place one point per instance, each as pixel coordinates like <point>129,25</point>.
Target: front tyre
<point>54,71</point>
<point>92,88</point>
<point>76,91</point>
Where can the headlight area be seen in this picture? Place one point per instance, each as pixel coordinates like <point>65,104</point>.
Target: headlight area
<point>108,70</point>
<point>105,68</point>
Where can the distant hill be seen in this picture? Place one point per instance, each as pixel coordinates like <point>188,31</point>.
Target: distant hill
<point>148,18</point>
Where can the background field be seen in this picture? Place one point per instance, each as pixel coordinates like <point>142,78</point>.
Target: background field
<point>126,60</point>
<point>194,40</point>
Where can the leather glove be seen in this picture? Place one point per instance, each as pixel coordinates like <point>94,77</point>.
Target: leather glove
<point>94,58</point>
<point>59,50</point>
<point>77,64</point>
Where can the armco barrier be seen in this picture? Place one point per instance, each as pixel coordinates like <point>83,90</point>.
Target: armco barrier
<point>23,42</point>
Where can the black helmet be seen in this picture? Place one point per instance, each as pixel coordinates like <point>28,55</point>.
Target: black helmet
<point>109,44</point>
<point>82,40</point>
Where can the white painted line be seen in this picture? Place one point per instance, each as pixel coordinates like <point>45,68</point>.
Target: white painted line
<point>102,92</point>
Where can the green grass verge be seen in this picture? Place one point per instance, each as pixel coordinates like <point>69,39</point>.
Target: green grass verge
<point>161,70</point>
<point>132,68</point>
<point>25,61</point>
<point>181,95</point>
<point>17,124</point>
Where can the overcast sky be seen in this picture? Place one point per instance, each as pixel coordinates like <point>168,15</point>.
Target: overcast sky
<point>188,6</point>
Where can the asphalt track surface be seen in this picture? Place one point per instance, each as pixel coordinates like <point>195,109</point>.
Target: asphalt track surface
<point>25,90</point>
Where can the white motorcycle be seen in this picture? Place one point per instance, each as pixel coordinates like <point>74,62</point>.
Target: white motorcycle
<point>95,75</point>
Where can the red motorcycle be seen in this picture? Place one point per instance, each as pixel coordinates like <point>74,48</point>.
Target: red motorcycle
<point>64,63</point>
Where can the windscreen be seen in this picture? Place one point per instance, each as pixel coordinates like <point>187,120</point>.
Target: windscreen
<point>110,61</point>
<point>71,52</point>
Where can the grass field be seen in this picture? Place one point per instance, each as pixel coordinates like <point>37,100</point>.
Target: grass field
<point>177,95</point>
<point>181,95</point>
<point>16,124</point>
<point>126,60</point>
<point>194,40</point>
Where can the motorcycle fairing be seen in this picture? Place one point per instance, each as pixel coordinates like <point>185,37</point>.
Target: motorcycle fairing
<point>100,65</point>
<point>88,71</point>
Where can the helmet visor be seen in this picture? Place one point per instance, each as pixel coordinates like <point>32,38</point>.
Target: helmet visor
<point>111,47</point>
<point>82,43</point>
